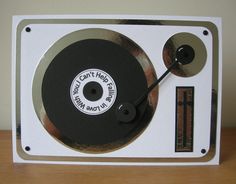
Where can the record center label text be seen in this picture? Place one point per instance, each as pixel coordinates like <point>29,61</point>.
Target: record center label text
<point>93,107</point>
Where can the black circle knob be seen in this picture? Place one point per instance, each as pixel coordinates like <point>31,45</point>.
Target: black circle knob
<point>185,54</point>
<point>126,112</point>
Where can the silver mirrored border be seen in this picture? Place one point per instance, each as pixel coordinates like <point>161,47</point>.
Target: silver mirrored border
<point>215,86</point>
<point>76,36</point>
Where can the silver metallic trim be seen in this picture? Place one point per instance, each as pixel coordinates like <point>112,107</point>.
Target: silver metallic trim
<point>56,48</point>
<point>209,25</point>
<point>169,54</point>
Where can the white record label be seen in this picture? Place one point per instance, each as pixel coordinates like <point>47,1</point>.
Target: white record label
<point>93,91</point>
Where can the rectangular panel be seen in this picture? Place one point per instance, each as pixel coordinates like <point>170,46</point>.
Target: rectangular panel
<point>184,119</point>
<point>184,102</point>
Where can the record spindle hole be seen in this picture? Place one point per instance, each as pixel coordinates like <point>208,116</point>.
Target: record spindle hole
<point>93,91</point>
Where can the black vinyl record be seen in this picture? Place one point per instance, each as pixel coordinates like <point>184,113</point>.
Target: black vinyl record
<point>94,132</point>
